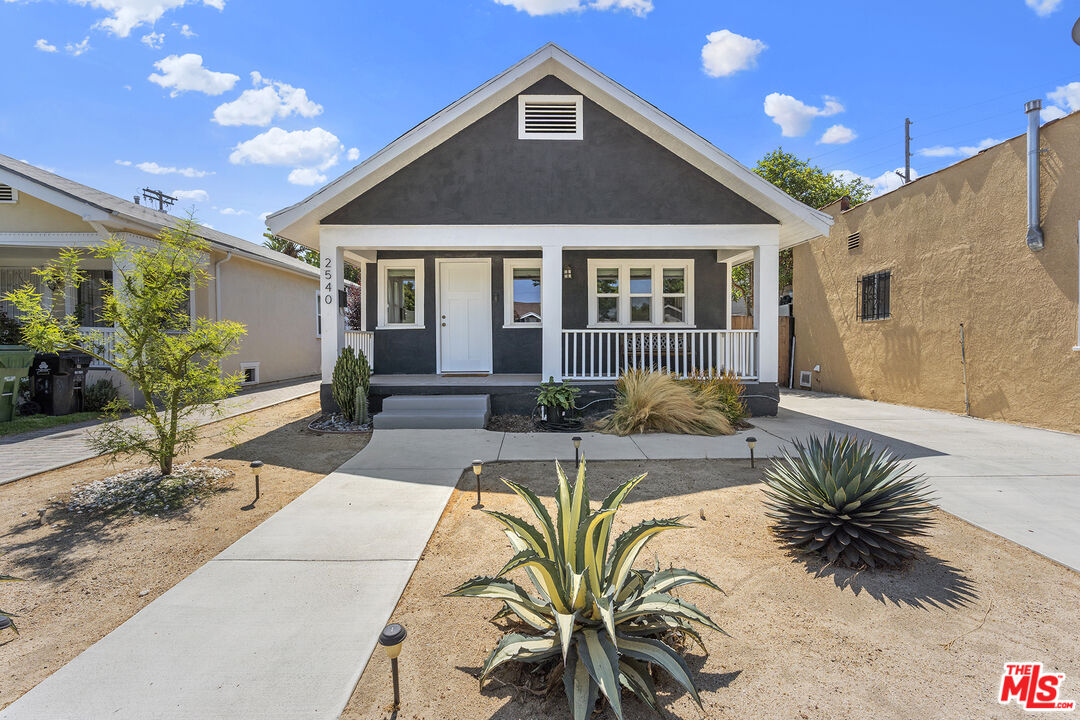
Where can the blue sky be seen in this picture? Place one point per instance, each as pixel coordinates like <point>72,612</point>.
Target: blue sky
<point>247,106</point>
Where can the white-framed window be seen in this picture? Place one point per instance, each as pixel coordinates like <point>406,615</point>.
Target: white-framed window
<point>521,293</point>
<point>249,373</point>
<point>8,195</point>
<point>401,293</point>
<point>641,292</point>
<point>550,117</point>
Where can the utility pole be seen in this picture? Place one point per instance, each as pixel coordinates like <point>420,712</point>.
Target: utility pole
<point>156,196</point>
<point>906,177</point>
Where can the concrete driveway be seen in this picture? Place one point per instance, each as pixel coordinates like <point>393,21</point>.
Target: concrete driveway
<point>1018,482</point>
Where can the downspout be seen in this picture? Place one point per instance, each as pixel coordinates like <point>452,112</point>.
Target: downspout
<point>1034,232</point>
<point>217,284</point>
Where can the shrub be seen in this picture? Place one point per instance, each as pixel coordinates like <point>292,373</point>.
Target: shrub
<point>648,401</point>
<point>99,395</point>
<point>847,502</point>
<point>556,395</point>
<point>600,622</point>
<point>10,330</point>
<point>726,391</point>
<point>351,382</point>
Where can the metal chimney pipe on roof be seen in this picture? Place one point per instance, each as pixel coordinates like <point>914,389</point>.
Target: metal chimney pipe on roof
<point>1034,231</point>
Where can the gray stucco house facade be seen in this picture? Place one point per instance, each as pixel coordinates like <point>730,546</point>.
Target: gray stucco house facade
<point>548,224</point>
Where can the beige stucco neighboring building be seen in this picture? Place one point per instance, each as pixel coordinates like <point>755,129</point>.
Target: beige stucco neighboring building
<point>953,245</point>
<point>275,296</point>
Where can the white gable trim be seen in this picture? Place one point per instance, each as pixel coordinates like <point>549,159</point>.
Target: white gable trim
<point>87,211</point>
<point>798,222</point>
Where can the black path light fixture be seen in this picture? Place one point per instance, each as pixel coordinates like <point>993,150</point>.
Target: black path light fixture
<point>750,443</point>
<point>477,468</point>
<point>255,466</point>
<point>391,639</point>
<point>5,623</point>
<point>577,451</point>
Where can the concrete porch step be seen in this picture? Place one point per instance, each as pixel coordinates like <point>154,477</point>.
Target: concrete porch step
<point>434,412</point>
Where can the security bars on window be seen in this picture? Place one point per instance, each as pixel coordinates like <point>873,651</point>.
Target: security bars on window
<point>873,292</point>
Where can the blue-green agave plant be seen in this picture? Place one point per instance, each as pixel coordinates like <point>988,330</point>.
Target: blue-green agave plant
<point>604,619</point>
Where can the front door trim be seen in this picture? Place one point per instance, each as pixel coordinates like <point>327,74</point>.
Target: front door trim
<point>439,262</point>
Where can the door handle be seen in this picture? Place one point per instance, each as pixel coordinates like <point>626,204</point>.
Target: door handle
<point>443,317</point>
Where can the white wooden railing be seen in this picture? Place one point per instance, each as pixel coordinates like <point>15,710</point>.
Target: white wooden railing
<point>104,335</point>
<point>362,341</point>
<point>607,354</point>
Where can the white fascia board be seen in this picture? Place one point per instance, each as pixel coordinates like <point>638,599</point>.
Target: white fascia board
<point>434,237</point>
<point>799,222</point>
<point>87,211</point>
<point>50,240</point>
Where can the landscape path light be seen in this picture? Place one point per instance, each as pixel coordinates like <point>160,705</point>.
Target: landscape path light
<point>577,451</point>
<point>477,468</point>
<point>5,623</point>
<point>255,466</point>
<point>391,639</point>
<point>750,443</point>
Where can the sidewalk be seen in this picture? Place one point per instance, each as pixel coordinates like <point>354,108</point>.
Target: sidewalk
<point>44,450</point>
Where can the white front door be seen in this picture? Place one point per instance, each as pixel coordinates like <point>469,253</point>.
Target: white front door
<point>465,316</point>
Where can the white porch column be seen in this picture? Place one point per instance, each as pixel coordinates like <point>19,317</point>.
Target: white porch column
<point>331,280</point>
<point>766,309</point>
<point>551,292</point>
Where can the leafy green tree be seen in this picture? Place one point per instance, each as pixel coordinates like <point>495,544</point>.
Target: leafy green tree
<point>298,251</point>
<point>808,184</point>
<point>172,360</point>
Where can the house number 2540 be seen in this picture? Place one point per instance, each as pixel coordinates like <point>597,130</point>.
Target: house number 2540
<point>328,273</point>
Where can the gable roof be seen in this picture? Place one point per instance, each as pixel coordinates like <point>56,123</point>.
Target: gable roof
<point>94,205</point>
<point>798,222</point>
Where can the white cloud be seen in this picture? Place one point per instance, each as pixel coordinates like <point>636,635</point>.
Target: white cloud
<point>154,169</point>
<point>961,151</point>
<point>262,105</point>
<point>192,195</point>
<point>187,32</point>
<point>554,7</point>
<point>726,53</point>
<point>1067,96</point>
<point>44,46</point>
<point>838,135</point>
<point>883,183</point>
<point>126,15</point>
<point>315,148</point>
<point>1051,112</point>
<point>794,116</point>
<point>154,40</point>
<point>231,211</point>
<point>1043,8</point>
<point>306,176</point>
<point>78,48</point>
<point>186,72</point>
<point>353,155</point>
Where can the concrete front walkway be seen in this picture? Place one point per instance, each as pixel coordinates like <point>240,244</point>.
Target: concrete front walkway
<point>43,450</point>
<point>281,624</point>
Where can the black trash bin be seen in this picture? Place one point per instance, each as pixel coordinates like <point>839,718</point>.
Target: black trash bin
<point>58,381</point>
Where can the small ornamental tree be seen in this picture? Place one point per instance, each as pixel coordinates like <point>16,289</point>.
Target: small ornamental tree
<point>172,360</point>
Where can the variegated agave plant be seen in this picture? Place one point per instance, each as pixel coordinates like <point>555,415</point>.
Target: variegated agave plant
<point>842,499</point>
<point>605,619</point>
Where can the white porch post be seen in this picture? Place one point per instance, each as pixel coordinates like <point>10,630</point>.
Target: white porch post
<point>551,292</point>
<point>766,309</point>
<point>331,280</point>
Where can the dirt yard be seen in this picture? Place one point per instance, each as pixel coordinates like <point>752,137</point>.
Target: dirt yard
<point>86,575</point>
<point>806,642</point>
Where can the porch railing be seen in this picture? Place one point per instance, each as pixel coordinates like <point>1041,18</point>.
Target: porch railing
<point>607,354</point>
<point>362,341</point>
<point>104,335</point>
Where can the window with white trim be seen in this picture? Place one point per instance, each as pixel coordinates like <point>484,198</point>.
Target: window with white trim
<point>249,373</point>
<point>521,293</point>
<point>625,293</point>
<point>549,117</point>
<point>401,293</point>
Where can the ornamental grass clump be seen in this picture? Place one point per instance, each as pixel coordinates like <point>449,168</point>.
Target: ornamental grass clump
<point>595,620</point>
<point>650,401</point>
<point>842,500</point>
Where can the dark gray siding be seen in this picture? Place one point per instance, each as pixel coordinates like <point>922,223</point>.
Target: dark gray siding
<point>486,175</point>
<point>514,350</point>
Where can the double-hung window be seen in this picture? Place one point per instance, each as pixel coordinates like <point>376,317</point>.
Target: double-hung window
<point>521,292</point>
<point>624,293</point>
<point>401,293</point>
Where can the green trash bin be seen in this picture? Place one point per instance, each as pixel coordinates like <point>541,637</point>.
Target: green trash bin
<point>15,362</point>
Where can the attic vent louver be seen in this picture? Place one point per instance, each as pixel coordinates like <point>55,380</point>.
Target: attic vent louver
<point>854,240</point>
<point>549,117</point>
<point>7,194</point>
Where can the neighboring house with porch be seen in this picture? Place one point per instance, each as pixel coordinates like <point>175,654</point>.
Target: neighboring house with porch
<point>274,295</point>
<point>880,301</point>
<point>549,224</point>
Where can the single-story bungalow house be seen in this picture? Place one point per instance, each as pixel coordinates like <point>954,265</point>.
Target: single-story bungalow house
<point>550,223</point>
<point>274,295</point>
<point>957,291</point>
